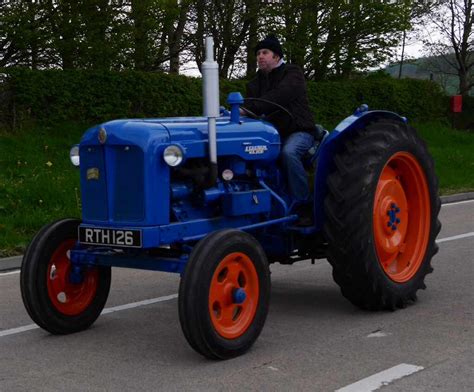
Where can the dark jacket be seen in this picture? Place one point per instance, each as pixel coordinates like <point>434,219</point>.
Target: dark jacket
<point>285,86</point>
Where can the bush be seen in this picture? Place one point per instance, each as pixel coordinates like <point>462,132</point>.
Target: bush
<point>53,96</point>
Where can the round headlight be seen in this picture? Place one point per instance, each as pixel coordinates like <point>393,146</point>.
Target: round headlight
<point>74,155</point>
<point>173,155</point>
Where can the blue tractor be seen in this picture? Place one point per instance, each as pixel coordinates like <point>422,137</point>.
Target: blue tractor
<point>204,197</point>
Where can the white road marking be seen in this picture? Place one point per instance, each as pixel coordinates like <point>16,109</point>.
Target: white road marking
<point>457,202</point>
<point>10,273</point>
<point>113,309</point>
<point>378,334</point>
<point>139,303</point>
<point>29,327</point>
<point>14,331</point>
<point>456,237</point>
<point>378,380</point>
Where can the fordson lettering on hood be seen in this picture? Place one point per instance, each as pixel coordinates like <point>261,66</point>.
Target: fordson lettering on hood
<point>256,149</point>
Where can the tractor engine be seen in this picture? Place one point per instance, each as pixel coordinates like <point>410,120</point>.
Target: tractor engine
<point>139,173</point>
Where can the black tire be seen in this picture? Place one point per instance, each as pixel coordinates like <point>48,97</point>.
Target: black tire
<point>369,275</point>
<point>206,269</point>
<point>37,273</point>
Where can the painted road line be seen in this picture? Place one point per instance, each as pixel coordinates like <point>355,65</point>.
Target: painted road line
<point>456,237</point>
<point>381,379</point>
<point>139,303</point>
<point>113,309</point>
<point>457,202</point>
<point>14,331</point>
<point>10,273</point>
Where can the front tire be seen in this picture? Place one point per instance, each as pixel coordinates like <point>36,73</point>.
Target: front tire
<point>382,216</point>
<point>224,294</point>
<point>54,302</point>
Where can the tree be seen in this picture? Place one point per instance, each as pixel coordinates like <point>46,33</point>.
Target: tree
<point>229,24</point>
<point>453,23</point>
<point>333,38</point>
<point>23,36</point>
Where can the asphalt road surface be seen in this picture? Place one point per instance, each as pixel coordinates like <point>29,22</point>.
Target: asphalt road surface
<point>313,340</point>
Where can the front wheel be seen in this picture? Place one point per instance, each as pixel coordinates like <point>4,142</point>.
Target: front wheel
<point>382,216</point>
<point>55,301</point>
<point>224,294</point>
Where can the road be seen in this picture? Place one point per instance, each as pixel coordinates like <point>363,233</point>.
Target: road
<point>313,340</point>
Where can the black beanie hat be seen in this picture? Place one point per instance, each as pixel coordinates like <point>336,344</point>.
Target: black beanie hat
<point>270,42</point>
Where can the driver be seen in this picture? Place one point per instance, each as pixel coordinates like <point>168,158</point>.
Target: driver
<point>285,85</point>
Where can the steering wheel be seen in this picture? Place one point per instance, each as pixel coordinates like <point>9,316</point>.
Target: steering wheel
<point>266,117</point>
<point>250,113</point>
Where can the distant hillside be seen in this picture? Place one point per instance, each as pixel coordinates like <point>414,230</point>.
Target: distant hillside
<point>429,68</point>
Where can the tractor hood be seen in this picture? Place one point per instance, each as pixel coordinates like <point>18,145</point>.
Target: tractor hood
<point>249,139</point>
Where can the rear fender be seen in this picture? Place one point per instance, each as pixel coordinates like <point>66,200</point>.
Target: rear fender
<point>331,145</point>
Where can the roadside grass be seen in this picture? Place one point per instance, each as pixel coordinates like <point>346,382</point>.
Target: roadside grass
<point>38,184</point>
<point>453,153</point>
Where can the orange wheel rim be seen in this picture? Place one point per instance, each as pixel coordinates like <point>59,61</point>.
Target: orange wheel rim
<point>69,298</point>
<point>233,295</point>
<point>401,217</point>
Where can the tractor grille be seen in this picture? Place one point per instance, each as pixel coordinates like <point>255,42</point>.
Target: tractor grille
<point>128,188</point>
<point>93,184</point>
<point>120,184</point>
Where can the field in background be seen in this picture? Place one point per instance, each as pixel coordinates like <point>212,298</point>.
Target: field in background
<point>38,184</point>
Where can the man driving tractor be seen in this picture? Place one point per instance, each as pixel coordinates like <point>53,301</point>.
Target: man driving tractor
<point>285,85</point>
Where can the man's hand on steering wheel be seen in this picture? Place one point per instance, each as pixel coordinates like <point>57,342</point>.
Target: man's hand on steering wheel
<point>251,114</point>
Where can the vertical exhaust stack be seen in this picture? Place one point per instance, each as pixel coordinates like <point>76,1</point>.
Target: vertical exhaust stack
<point>210,94</point>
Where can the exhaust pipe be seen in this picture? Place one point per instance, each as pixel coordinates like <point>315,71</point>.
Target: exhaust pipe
<point>210,94</point>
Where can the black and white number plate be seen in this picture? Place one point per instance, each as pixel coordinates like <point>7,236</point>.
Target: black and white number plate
<point>110,237</point>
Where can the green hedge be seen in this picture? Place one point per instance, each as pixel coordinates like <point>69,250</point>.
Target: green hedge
<point>89,96</point>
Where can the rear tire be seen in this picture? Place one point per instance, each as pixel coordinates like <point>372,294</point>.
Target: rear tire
<point>52,301</point>
<point>382,216</point>
<point>224,294</point>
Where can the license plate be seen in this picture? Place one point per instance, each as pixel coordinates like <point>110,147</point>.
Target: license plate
<point>110,237</point>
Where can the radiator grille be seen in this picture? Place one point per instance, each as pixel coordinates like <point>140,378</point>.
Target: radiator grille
<point>128,184</point>
<point>94,189</point>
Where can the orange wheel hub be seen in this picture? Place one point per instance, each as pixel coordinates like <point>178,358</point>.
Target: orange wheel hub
<point>233,295</point>
<point>69,298</point>
<point>401,217</point>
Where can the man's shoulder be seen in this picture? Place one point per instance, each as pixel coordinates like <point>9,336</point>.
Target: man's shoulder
<point>293,68</point>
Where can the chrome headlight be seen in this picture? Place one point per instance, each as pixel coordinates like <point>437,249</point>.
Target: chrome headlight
<point>74,155</point>
<point>173,155</point>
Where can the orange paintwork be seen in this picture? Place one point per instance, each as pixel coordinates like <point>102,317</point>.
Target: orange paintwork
<point>229,319</point>
<point>69,299</point>
<point>402,183</point>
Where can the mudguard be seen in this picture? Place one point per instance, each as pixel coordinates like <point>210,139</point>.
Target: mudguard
<point>329,147</point>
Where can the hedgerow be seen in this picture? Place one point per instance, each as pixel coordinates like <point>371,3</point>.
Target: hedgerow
<point>52,96</point>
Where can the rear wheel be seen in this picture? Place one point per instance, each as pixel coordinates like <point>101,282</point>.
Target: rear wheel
<point>382,216</point>
<point>54,300</point>
<point>224,294</point>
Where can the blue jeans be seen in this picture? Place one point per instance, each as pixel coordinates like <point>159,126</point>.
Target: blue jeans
<point>294,148</point>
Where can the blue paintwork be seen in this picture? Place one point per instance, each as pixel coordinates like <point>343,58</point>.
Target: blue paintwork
<point>393,220</point>
<point>235,100</point>
<point>131,187</point>
<point>105,258</point>
<point>239,296</point>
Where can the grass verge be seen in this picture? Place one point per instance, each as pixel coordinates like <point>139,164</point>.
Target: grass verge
<point>38,183</point>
